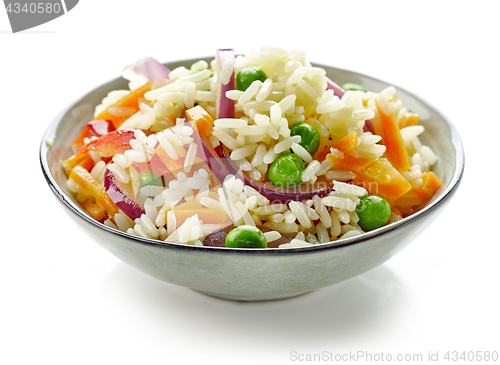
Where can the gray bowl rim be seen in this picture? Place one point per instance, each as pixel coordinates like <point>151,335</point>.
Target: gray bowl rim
<point>434,204</point>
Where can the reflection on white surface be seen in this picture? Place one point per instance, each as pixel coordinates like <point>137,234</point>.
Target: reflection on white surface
<point>340,314</point>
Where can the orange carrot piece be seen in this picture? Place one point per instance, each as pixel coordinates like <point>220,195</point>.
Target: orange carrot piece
<point>389,182</point>
<point>408,119</point>
<point>86,132</point>
<point>375,122</point>
<point>395,147</point>
<point>410,199</point>
<point>346,144</point>
<point>378,175</point>
<point>174,166</point>
<point>430,186</point>
<point>129,103</point>
<point>324,153</point>
<point>352,163</point>
<point>208,216</point>
<point>200,120</point>
<point>83,178</point>
<point>83,160</point>
<point>95,210</point>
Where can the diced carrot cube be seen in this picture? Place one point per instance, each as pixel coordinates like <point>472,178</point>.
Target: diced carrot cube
<point>348,143</point>
<point>378,175</point>
<point>200,120</point>
<point>408,119</point>
<point>95,210</point>
<point>352,163</point>
<point>430,186</point>
<point>389,182</point>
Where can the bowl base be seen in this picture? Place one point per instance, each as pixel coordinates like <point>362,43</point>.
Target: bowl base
<point>253,298</point>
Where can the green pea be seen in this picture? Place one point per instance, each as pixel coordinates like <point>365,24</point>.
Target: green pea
<point>309,136</point>
<point>148,178</point>
<point>373,212</point>
<point>286,170</point>
<point>246,236</point>
<point>353,86</point>
<point>248,75</point>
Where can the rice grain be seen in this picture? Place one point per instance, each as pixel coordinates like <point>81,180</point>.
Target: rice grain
<point>272,236</point>
<point>320,207</point>
<point>230,123</point>
<point>306,156</point>
<point>286,144</point>
<point>243,152</point>
<point>300,213</point>
<point>190,157</point>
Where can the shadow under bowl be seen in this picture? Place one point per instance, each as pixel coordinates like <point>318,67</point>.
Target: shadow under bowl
<point>257,274</point>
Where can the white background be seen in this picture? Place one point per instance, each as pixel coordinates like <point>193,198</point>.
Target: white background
<point>64,300</point>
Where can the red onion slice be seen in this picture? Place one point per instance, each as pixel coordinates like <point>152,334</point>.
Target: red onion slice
<point>368,127</point>
<point>337,90</point>
<point>218,237</point>
<point>119,195</point>
<point>212,157</point>
<point>146,69</point>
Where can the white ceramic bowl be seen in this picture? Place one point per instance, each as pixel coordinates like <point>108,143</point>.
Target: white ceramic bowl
<point>257,274</point>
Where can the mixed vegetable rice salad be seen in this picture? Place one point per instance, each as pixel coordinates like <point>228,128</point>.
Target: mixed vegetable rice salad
<point>254,151</point>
